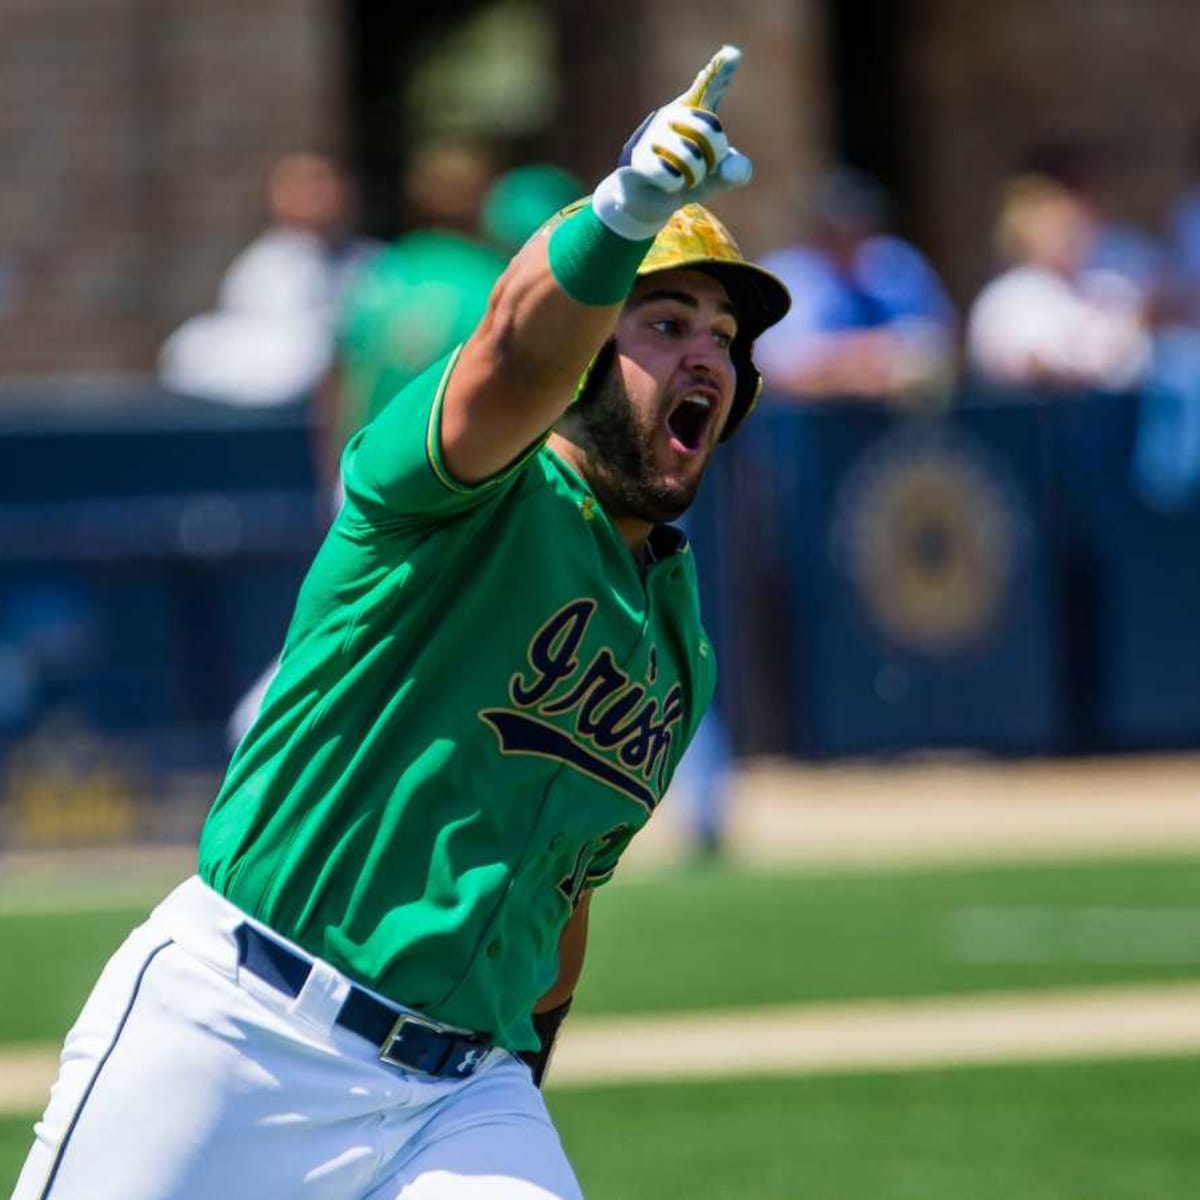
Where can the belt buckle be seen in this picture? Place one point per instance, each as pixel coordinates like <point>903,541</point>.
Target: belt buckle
<point>447,1046</point>
<point>397,1032</point>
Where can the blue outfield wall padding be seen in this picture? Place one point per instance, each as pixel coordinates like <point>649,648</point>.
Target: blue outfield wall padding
<point>873,583</point>
<point>96,642</point>
<point>162,444</point>
<point>1134,575</point>
<point>740,526</point>
<point>922,602</point>
<point>150,556</point>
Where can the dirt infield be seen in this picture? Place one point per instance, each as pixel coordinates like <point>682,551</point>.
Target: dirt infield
<point>947,811</point>
<point>25,1078</point>
<point>919,1034</point>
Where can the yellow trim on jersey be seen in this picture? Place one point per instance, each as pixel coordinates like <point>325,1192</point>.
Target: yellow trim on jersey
<point>597,878</point>
<point>433,452</point>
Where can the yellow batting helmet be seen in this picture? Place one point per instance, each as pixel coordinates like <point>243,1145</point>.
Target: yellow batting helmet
<point>695,239</point>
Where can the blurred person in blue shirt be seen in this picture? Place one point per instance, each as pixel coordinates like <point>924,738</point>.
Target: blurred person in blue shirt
<point>1167,454</point>
<point>1183,235</point>
<point>869,319</point>
<point>1049,319</point>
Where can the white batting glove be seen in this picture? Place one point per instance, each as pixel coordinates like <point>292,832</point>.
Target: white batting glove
<point>679,156</point>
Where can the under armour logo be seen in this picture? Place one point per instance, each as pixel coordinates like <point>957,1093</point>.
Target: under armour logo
<point>472,1058</point>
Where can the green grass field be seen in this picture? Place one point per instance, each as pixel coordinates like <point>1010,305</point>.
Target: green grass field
<point>723,938</point>
<point>1081,1131</point>
<point>59,956</point>
<point>719,937</point>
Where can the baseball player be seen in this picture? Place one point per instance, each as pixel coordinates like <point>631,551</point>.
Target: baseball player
<point>494,666</point>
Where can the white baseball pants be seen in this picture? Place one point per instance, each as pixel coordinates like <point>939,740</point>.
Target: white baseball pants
<point>187,1079</point>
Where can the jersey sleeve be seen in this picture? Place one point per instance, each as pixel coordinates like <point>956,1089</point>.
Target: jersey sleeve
<point>393,468</point>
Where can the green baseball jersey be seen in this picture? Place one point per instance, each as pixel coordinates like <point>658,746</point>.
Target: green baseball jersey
<point>482,697</point>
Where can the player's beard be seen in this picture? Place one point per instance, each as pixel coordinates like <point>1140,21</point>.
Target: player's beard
<point>617,441</point>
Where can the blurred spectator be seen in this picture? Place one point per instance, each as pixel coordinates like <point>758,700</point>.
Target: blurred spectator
<point>869,317</point>
<point>522,200</point>
<point>1117,245</point>
<point>429,289</point>
<point>1054,320</point>
<point>1166,277</point>
<point>1166,450</point>
<point>423,293</point>
<point>270,338</point>
<point>1167,447</point>
<point>704,781</point>
<point>1049,319</point>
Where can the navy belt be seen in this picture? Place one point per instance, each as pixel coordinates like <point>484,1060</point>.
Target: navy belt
<point>403,1039</point>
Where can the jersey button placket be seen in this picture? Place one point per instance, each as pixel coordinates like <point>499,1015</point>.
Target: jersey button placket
<point>493,948</point>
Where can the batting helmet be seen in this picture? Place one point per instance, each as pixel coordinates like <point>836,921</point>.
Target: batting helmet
<point>693,238</point>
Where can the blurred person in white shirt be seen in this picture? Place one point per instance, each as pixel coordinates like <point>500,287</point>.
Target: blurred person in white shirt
<point>1053,322</point>
<point>270,338</point>
<point>1049,320</point>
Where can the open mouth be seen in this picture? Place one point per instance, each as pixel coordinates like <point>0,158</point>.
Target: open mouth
<point>688,421</point>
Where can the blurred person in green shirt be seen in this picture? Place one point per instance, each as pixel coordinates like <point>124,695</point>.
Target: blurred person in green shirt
<point>428,290</point>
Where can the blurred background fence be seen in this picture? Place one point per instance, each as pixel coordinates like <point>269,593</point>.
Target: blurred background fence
<point>877,583</point>
<point>984,579</point>
<point>149,559</point>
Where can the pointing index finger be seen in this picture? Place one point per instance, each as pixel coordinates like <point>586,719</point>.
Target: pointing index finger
<point>708,88</point>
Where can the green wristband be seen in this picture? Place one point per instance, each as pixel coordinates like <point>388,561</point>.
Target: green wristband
<point>591,263</point>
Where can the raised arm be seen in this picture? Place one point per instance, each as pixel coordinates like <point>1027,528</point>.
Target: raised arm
<point>558,302</point>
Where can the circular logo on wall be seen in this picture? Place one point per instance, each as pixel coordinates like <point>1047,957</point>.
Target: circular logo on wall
<point>928,528</point>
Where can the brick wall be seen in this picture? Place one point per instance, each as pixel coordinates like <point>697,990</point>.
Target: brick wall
<point>71,206</point>
<point>135,135</point>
